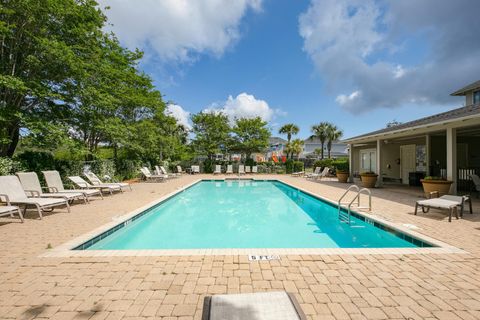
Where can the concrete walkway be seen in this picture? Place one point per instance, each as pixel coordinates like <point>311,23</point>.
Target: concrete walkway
<point>420,286</point>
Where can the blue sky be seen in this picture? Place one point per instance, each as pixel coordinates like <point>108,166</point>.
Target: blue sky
<point>357,64</point>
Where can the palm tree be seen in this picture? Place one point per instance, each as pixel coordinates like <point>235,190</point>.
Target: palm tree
<point>295,147</point>
<point>289,129</point>
<point>333,134</point>
<point>320,131</point>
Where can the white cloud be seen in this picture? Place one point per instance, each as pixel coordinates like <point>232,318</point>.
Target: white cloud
<point>182,116</point>
<point>354,43</point>
<point>343,99</point>
<point>246,105</point>
<point>177,30</point>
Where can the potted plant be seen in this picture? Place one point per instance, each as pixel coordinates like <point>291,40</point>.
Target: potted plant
<point>342,171</point>
<point>369,179</point>
<point>436,184</point>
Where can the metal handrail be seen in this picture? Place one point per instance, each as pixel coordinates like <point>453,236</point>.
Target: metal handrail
<point>340,215</point>
<point>369,193</point>
<point>346,217</point>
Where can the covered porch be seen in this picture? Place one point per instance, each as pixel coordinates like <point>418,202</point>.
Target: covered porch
<point>404,155</point>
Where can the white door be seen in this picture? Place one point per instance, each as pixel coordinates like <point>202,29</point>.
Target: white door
<point>368,160</point>
<point>407,161</point>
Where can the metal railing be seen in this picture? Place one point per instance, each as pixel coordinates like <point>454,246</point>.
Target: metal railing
<point>344,215</point>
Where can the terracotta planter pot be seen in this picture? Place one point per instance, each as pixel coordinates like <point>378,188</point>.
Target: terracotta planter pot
<point>369,180</point>
<point>342,176</point>
<point>440,186</point>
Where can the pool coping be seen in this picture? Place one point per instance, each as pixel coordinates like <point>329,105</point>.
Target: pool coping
<point>66,249</point>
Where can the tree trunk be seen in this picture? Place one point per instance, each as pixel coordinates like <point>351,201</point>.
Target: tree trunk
<point>8,149</point>
<point>322,149</point>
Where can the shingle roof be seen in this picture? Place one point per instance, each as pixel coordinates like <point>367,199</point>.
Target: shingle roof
<point>464,90</point>
<point>436,118</point>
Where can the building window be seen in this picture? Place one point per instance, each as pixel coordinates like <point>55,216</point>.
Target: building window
<point>476,97</point>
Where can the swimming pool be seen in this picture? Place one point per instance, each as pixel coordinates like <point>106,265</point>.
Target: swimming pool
<point>246,214</point>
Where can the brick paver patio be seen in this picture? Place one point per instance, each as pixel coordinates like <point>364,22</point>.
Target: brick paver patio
<point>420,286</point>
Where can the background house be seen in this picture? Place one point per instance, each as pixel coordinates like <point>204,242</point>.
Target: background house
<point>339,149</point>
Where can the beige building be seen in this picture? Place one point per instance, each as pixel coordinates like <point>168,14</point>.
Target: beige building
<point>446,144</point>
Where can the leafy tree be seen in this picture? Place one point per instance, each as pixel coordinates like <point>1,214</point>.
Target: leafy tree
<point>333,134</point>
<point>317,152</point>
<point>289,129</point>
<point>320,131</point>
<point>212,133</point>
<point>44,47</point>
<point>295,147</point>
<point>250,135</point>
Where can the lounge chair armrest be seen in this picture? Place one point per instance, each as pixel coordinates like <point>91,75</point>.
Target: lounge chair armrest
<point>50,189</point>
<point>32,193</point>
<point>4,196</point>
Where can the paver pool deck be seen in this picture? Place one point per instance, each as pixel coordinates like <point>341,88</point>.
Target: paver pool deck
<point>380,286</point>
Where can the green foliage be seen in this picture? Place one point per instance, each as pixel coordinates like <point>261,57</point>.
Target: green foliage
<point>9,166</point>
<point>293,166</point>
<point>295,147</point>
<point>341,164</point>
<point>250,135</point>
<point>250,162</point>
<point>298,166</point>
<point>323,163</point>
<point>37,160</point>
<point>208,165</point>
<point>212,133</point>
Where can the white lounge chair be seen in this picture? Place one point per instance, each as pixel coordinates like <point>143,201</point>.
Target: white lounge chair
<point>218,169</point>
<point>195,169</point>
<point>241,169</point>
<point>171,174</point>
<point>162,173</point>
<point>438,203</point>
<point>315,172</point>
<point>248,169</point>
<point>54,183</point>
<point>31,184</point>
<point>92,177</point>
<point>322,175</point>
<point>81,183</point>
<point>180,170</point>
<point>9,210</point>
<point>12,192</point>
<point>229,169</point>
<point>152,177</point>
<point>298,174</point>
<point>254,169</point>
<point>259,305</point>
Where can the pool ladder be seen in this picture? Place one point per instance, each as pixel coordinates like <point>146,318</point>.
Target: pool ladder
<point>344,215</point>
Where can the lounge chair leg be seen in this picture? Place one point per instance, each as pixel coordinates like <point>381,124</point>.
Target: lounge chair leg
<point>456,212</point>
<point>20,214</point>
<point>416,207</point>
<point>39,211</point>
<point>68,206</point>
<point>470,204</point>
<point>85,199</point>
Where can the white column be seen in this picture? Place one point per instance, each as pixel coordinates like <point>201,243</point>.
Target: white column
<point>379,164</point>
<point>350,162</point>
<point>427,154</point>
<point>452,158</point>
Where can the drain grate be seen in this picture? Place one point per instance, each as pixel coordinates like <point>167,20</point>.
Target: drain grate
<point>252,257</point>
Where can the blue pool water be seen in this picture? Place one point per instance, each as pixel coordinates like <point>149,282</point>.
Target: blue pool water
<point>246,214</point>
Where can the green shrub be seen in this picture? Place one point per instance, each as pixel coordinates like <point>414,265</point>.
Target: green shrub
<point>298,166</point>
<point>341,165</point>
<point>9,166</point>
<point>208,165</point>
<point>323,163</point>
<point>250,162</point>
<point>37,161</point>
<point>289,166</point>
